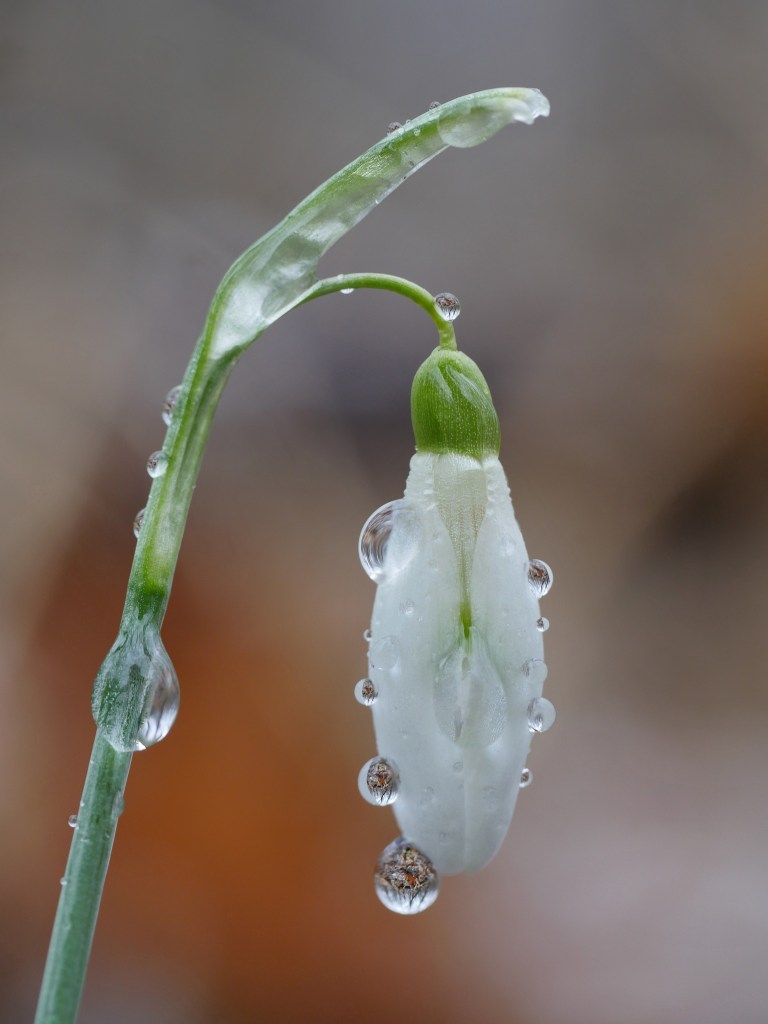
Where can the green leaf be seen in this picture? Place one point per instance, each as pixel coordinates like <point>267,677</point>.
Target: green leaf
<point>272,276</point>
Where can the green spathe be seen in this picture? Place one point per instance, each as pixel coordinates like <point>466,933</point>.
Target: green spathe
<point>451,407</point>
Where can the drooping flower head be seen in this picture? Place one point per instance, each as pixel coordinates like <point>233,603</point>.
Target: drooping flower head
<point>456,653</point>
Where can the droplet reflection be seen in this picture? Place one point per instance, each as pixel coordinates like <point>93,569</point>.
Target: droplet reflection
<point>406,881</point>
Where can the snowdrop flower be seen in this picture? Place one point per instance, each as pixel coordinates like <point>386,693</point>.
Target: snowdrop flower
<point>456,655</point>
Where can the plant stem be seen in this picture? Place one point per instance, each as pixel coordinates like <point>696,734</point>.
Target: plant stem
<point>388,282</point>
<point>82,884</point>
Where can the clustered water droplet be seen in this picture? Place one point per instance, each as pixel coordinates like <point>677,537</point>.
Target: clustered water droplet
<point>526,778</point>
<point>405,879</point>
<point>379,782</point>
<point>157,463</point>
<point>540,577</point>
<point>393,126</point>
<point>541,714</point>
<point>542,624</point>
<point>169,404</point>
<point>448,306</point>
<point>366,692</point>
<point>138,521</point>
<point>162,704</point>
<point>72,821</point>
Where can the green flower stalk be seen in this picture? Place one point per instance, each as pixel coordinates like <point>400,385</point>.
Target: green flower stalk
<point>135,695</point>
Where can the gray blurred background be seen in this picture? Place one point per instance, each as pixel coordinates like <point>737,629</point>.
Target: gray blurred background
<point>611,265</point>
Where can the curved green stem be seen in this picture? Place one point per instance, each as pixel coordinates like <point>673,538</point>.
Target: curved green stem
<point>272,277</point>
<point>387,282</point>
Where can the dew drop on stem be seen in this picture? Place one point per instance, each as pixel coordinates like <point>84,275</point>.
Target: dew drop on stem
<point>138,522</point>
<point>169,404</point>
<point>366,692</point>
<point>448,306</point>
<point>541,714</point>
<point>157,463</point>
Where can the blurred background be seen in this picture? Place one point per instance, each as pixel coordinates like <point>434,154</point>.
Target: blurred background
<point>611,266</point>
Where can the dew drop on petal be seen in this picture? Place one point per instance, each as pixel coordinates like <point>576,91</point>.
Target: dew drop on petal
<point>72,821</point>
<point>157,463</point>
<point>542,624</point>
<point>536,670</point>
<point>539,577</point>
<point>379,782</point>
<point>389,540</point>
<point>169,404</point>
<point>385,653</point>
<point>405,879</point>
<point>366,692</point>
<point>448,306</point>
<point>162,704</point>
<point>434,105</point>
<point>526,778</point>
<point>541,714</point>
<point>393,127</point>
<point>138,521</point>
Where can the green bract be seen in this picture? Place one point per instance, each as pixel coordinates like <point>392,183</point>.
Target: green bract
<point>452,409</point>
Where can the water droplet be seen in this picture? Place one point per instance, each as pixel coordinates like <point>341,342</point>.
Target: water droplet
<point>407,607</point>
<point>347,291</point>
<point>539,577</point>
<point>169,404</point>
<point>541,714</point>
<point>385,653</point>
<point>542,624</point>
<point>526,778</point>
<point>405,879</point>
<point>389,539</point>
<point>448,306</point>
<point>434,105</point>
<point>367,635</point>
<point>62,881</point>
<point>379,782</point>
<point>137,522</point>
<point>366,692</point>
<point>72,821</point>
<point>536,670</point>
<point>393,126</point>
<point>162,704</point>
<point>157,463</point>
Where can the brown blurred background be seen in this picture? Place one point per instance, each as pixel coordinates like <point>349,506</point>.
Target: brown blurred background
<point>611,264</point>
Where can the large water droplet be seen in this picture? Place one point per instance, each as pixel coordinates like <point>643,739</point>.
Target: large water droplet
<point>469,700</point>
<point>138,521</point>
<point>405,878</point>
<point>169,404</point>
<point>541,714</point>
<point>448,306</point>
<point>526,778</point>
<point>72,821</point>
<point>157,463</point>
<point>542,624</point>
<point>540,577</point>
<point>393,127</point>
<point>379,782</point>
<point>389,539</point>
<point>366,692</point>
<point>162,704</point>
